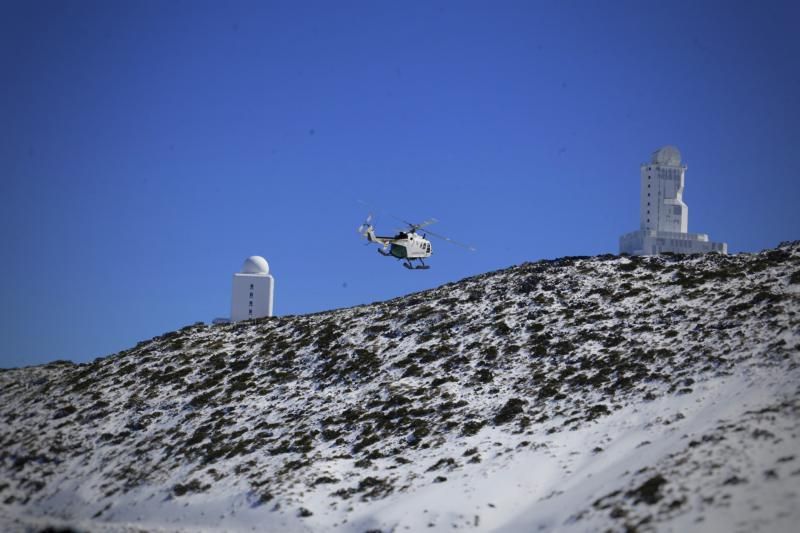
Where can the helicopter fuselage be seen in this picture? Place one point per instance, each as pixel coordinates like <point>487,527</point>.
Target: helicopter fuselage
<point>404,245</point>
<point>409,246</point>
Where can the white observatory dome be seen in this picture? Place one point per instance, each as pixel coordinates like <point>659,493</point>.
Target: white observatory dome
<point>667,155</point>
<point>255,264</point>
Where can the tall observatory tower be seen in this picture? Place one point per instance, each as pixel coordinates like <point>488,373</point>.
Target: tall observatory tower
<point>253,290</point>
<point>663,216</point>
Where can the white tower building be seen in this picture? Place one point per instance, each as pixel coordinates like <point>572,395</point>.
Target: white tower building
<point>663,217</point>
<point>253,290</point>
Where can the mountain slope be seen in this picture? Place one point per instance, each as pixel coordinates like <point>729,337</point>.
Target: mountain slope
<point>580,393</point>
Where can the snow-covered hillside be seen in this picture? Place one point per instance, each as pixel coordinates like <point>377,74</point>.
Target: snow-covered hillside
<point>578,394</point>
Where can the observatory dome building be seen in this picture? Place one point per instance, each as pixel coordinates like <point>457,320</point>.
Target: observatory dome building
<point>253,290</point>
<point>663,216</point>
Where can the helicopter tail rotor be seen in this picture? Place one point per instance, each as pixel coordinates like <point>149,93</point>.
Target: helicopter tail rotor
<point>366,226</point>
<point>367,230</point>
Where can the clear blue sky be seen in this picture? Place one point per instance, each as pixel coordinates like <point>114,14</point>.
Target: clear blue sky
<point>147,148</point>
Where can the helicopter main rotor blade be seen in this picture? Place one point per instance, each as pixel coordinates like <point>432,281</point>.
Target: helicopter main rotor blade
<point>411,225</point>
<point>451,241</point>
<point>424,223</point>
<point>415,227</point>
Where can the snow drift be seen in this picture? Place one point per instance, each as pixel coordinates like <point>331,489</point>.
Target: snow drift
<point>583,393</point>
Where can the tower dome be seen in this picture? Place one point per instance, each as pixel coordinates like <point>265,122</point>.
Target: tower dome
<point>667,155</point>
<point>255,264</point>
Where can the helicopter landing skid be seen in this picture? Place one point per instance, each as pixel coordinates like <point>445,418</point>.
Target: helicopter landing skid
<point>423,266</point>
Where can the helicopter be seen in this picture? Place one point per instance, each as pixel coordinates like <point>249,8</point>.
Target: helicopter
<point>406,245</point>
